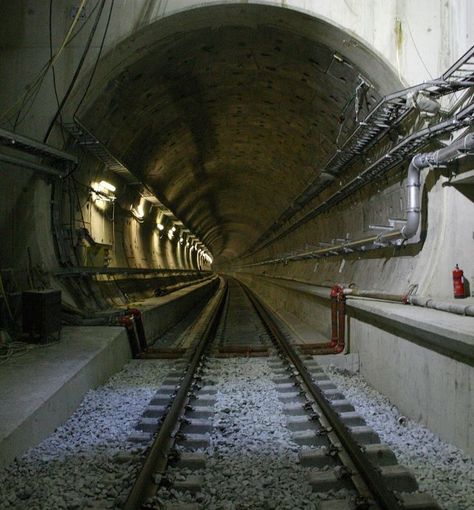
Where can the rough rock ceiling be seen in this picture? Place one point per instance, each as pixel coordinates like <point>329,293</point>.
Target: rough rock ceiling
<point>229,122</point>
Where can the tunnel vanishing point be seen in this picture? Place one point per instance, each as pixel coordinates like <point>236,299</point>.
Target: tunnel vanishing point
<point>298,146</point>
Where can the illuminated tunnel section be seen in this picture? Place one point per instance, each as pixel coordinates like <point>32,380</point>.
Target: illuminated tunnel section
<point>226,113</point>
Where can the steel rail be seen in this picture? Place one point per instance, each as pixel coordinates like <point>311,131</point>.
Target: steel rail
<point>145,486</point>
<point>370,474</point>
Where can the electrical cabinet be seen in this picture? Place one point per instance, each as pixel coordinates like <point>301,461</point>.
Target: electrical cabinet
<point>42,314</point>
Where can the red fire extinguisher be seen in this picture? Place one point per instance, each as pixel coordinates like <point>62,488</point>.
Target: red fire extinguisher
<point>458,283</point>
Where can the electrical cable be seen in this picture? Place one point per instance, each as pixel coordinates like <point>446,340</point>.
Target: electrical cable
<point>416,49</point>
<point>55,86</point>
<point>76,73</point>
<point>97,59</point>
<point>41,75</point>
<point>5,298</point>
<point>34,90</point>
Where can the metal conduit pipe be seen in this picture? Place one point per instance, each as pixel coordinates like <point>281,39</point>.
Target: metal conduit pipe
<point>429,160</point>
<point>337,344</point>
<point>37,167</point>
<point>425,302</point>
<point>457,149</point>
<point>456,308</point>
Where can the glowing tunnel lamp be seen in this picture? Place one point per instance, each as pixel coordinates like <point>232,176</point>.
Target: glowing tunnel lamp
<point>103,191</point>
<point>160,227</point>
<point>138,212</point>
<point>106,186</point>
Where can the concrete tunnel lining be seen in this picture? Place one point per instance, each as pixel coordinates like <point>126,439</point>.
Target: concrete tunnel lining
<point>202,106</point>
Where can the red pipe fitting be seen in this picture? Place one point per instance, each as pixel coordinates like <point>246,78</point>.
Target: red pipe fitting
<point>137,315</point>
<point>338,323</point>
<point>128,322</point>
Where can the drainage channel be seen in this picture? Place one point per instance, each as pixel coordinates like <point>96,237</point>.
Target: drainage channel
<point>243,422</point>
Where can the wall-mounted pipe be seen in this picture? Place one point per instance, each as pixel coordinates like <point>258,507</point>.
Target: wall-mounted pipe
<point>425,302</point>
<point>424,160</point>
<point>443,306</point>
<point>429,160</point>
<point>338,324</point>
<point>37,167</point>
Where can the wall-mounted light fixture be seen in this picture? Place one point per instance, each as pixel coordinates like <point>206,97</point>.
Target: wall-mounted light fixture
<point>137,212</point>
<point>103,191</point>
<point>160,227</point>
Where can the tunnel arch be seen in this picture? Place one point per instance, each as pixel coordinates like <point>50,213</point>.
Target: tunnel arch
<point>229,110</point>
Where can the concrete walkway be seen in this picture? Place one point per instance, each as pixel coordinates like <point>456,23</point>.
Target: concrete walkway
<point>42,388</point>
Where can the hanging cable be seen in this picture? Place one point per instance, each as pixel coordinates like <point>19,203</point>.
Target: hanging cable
<point>76,73</point>
<point>96,61</point>
<point>55,86</point>
<point>41,75</point>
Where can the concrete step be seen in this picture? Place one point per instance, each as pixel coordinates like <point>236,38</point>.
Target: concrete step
<point>191,460</point>
<point>203,400</point>
<point>196,426</point>
<point>140,437</point>
<point>399,478</point>
<point>318,458</point>
<point>154,411</point>
<point>319,376</point>
<point>283,379</point>
<point>300,423</point>
<point>172,380</point>
<point>324,481</point>
<point>309,438</point>
<point>200,412</point>
<point>333,394</point>
<point>419,502</point>
<point>325,384</point>
<point>294,397</point>
<point>294,410</point>
<point>208,389</point>
<point>364,435</point>
<point>191,484</point>
<point>287,387</point>
<point>160,399</point>
<point>194,441</point>
<point>352,419</point>
<point>337,504</point>
<point>148,425</point>
<point>167,388</point>
<point>342,406</point>
<point>181,506</point>
<point>380,454</point>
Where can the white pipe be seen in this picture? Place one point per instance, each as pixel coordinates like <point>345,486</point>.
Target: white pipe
<point>456,308</point>
<point>428,160</point>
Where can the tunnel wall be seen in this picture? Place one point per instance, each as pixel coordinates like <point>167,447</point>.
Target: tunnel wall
<point>436,34</point>
<point>396,356</point>
<point>415,39</point>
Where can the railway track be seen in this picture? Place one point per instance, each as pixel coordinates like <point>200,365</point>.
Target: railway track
<point>327,456</point>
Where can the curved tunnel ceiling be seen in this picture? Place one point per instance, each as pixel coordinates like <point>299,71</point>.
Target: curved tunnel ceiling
<point>228,112</point>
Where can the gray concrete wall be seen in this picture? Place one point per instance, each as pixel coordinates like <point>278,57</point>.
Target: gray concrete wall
<point>431,388</point>
<point>411,355</point>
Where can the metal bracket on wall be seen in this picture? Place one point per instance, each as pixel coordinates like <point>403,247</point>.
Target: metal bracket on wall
<point>58,162</point>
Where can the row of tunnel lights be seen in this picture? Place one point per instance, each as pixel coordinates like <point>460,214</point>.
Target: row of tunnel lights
<point>105,191</point>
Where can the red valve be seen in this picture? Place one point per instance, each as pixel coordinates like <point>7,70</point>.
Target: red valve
<point>458,283</point>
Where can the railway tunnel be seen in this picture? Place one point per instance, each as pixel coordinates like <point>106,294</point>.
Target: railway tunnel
<point>276,186</point>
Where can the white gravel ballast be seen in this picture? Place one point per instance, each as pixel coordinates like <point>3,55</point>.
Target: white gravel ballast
<point>87,462</point>
<point>252,459</point>
<point>442,470</point>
